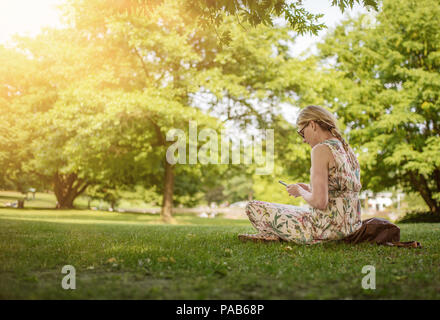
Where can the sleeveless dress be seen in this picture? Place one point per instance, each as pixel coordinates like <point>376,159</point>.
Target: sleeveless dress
<point>341,218</point>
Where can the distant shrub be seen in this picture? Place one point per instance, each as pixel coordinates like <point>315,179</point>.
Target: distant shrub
<point>419,216</point>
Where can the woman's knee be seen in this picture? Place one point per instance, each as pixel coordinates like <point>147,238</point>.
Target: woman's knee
<point>251,204</point>
<point>250,207</point>
<point>255,208</point>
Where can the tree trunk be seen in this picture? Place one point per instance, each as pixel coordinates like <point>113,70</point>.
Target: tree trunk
<point>67,188</point>
<point>167,202</point>
<point>20,204</point>
<point>421,185</point>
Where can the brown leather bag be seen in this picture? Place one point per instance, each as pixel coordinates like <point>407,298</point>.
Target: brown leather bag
<point>381,232</point>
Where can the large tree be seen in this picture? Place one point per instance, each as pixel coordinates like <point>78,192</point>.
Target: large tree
<point>34,75</point>
<point>385,88</point>
<point>94,111</point>
<point>109,138</point>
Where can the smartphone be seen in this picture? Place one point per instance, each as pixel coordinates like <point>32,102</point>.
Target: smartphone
<point>282,182</point>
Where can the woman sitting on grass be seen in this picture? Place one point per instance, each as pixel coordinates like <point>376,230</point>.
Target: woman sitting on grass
<point>335,211</point>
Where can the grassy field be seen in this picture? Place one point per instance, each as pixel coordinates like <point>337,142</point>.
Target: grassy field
<point>135,256</point>
<point>48,200</point>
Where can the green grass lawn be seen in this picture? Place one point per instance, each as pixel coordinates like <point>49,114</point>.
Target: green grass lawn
<point>135,256</point>
<point>48,200</point>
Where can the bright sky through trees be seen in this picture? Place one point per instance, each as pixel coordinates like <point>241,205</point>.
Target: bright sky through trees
<point>332,16</point>
<point>27,17</point>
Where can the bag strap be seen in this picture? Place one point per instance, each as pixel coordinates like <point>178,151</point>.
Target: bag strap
<point>405,244</point>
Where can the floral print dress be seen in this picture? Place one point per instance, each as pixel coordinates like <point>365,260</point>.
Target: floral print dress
<point>341,218</point>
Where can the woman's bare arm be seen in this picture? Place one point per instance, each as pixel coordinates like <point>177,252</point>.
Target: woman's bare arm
<point>318,196</point>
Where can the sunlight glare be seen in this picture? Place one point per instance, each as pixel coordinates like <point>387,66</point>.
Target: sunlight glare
<point>27,17</point>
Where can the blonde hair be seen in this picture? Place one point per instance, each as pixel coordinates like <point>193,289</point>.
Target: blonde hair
<point>327,121</point>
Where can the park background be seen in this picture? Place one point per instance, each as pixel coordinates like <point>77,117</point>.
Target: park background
<point>86,103</point>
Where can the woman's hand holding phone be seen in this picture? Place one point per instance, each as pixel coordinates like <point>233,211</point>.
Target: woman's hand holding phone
<point>304,186</point>
<point>294,189</point>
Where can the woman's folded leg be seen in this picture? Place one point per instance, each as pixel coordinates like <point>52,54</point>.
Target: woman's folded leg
<point>288,222</point>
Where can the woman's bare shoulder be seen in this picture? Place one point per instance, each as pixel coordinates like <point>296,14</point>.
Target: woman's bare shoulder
<point>322,151</point>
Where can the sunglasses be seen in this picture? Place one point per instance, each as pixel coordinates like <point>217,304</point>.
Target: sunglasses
<point>301,132</point>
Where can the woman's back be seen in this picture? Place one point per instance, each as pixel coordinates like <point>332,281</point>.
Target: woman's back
<point>343,213</point>
<point>344,176</point>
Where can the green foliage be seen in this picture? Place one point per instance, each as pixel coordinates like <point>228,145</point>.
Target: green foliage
<point>17,127</point>
<point>238,187</point>
<point>161,50</point>
<point>385,89</point>
<point>419,217</point>
<point>107,126</point>
<point>213,13</point>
